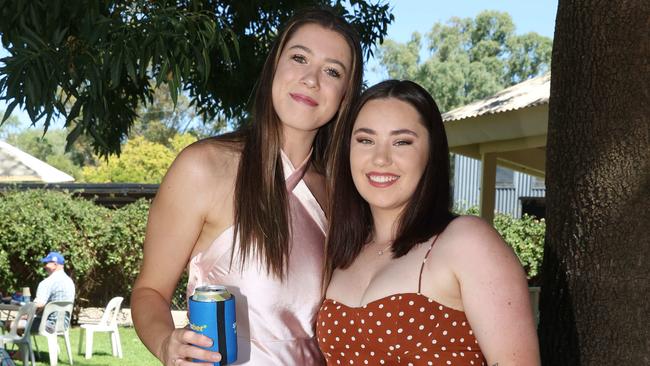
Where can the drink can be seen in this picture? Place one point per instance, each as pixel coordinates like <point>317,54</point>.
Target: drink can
<point>212,313</point>
<point>27,295</point>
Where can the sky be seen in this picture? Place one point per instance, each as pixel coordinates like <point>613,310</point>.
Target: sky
<point>420,15</point>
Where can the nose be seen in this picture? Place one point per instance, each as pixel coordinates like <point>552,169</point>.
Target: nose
<point>310,78</point>
<point>382,155</point>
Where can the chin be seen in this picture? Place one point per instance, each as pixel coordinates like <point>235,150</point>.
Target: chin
<point>382,205</point>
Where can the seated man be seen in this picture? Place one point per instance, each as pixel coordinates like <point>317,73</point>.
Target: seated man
<point>58,286</point>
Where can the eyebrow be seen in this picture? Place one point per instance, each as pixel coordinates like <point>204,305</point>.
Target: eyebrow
<point>393,132</point>
<point>328,59</point>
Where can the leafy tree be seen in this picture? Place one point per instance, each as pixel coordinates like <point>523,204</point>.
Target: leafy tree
<point>141,161</point>
<point>594,300</point>
<point>160,120</point>
<point>469,58</point>
<point>109,56</point>
<point>34,143</point>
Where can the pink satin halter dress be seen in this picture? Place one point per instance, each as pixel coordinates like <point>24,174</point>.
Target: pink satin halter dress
<point>275,320</point>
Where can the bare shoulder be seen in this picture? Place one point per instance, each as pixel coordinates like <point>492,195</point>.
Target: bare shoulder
<point>208,158</point>
<point>473,241</point>
<point>468,222</point>
<point>202,175</point>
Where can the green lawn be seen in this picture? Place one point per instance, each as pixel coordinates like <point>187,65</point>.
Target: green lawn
<point>135,353</point>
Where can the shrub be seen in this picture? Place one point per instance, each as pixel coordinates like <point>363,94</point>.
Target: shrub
<point>36,222</point>
<point>526,237</point>
<point>103,248</point>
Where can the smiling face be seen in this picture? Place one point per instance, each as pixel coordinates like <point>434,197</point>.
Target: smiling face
<point>389,151</point>
<point>310,80</point>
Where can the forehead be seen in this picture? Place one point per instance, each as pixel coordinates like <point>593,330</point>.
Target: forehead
<point>389,114</point>
<point>323,42</point>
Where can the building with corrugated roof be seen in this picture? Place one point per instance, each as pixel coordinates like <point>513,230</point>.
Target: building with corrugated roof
<point>500,147</point>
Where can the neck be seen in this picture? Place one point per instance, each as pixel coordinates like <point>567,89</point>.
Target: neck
<point>297,145</point>
<point>385,225</point>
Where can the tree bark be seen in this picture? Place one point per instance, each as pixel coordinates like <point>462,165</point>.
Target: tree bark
<point>596,278</point>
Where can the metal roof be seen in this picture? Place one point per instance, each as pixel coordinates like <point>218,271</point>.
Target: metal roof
<point>529,93</point>
<point>18,166</point>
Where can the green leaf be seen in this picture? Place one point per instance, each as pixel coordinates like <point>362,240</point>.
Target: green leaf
<point>9,109</point>
<point>116,70</point>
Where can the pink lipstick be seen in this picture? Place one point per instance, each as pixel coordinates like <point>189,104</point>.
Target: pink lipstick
<point>300,98</point>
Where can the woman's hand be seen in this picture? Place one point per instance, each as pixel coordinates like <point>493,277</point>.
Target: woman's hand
<point>182,346</point>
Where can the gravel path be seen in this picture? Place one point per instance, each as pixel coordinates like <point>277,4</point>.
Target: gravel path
<point>92,315</point>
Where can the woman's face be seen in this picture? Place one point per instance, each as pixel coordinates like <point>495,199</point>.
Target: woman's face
<point>389,151</point>
<point>310,79</point>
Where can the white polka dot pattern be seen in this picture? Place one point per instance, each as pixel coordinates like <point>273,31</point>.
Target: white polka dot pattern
<point>401,329</point>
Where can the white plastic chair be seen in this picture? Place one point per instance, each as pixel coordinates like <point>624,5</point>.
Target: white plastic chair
<point>108,323</point>
<point>59,326</point>
<point>23,342</point>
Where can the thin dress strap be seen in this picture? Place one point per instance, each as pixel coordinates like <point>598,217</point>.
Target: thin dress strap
<point>424,261</point>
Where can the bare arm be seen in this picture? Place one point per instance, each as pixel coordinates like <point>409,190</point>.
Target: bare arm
<point>176,220</point>
<point>494,293</point>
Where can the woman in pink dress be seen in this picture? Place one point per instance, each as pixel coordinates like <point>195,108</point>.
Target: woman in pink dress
<point>244,210</point>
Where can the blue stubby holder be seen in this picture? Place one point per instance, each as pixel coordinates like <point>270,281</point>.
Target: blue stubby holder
<point>216,320</point>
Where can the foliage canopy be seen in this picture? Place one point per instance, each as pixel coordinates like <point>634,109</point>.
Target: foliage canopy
<point>96,62</point>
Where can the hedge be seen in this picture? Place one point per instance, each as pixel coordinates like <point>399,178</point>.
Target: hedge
<point>103,248</point>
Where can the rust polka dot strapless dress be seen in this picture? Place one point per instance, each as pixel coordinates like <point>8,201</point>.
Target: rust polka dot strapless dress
<point>401,329</point>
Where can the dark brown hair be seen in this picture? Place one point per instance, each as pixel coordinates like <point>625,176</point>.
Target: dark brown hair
<point>261,206</point>
<point>428,211</point>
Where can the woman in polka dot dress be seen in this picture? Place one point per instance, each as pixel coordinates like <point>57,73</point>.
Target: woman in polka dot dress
<point>411,284</point>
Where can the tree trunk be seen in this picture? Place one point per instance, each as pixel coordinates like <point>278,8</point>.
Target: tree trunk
<point>595,306</point>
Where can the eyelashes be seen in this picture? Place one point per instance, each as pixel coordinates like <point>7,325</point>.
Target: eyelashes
<point>403,142</point>
<point>333,72</point>
<point>299,59</point>
<point>367,141</point>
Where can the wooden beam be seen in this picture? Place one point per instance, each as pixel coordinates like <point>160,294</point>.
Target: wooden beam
<point>531,161</point>
<point>467,150</point>
<point>488,185</point>
<point>523,143</point>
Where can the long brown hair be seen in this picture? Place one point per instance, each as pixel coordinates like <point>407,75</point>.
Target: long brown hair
<point>429,209</point>
<point>261,206</point>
